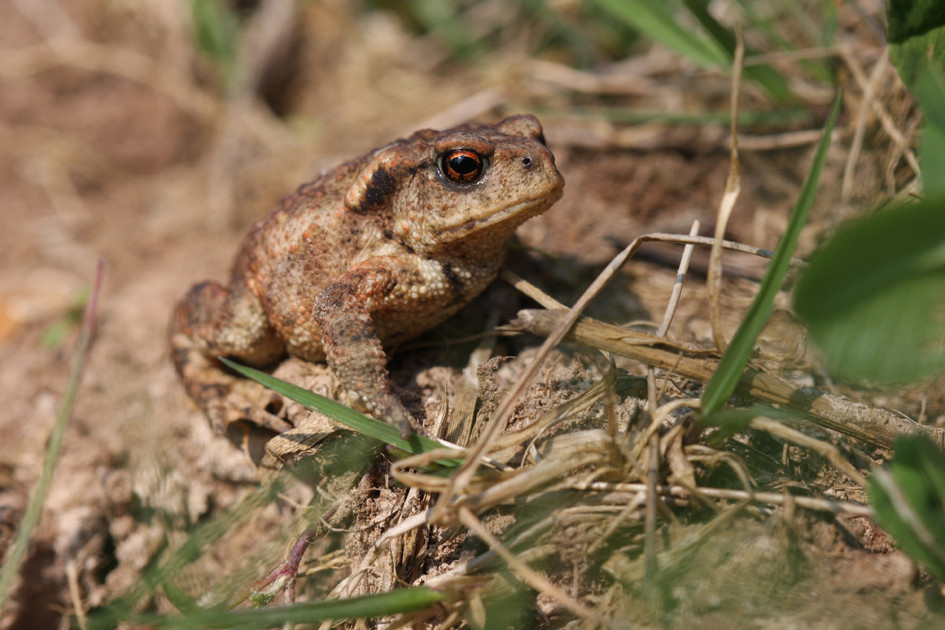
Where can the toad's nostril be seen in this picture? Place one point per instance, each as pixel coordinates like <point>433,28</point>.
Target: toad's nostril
<point>527,162</point>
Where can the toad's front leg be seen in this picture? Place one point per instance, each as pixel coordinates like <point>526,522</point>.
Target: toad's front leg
<point>352,346</point>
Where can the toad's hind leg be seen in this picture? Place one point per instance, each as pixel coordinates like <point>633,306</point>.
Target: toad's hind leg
<point>212,321</point>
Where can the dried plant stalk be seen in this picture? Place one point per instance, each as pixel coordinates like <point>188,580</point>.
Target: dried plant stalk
<point>878,427</point>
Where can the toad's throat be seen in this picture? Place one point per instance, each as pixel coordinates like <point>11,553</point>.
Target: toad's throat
<point>523,209</point>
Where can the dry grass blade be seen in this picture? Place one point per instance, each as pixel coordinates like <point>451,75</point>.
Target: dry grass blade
<point>461,418</point>
<point>460,575</point>
<point>680,466</point>
<point>428,483</point>
<point>711,457</point>
<point>496,425</point>
<point>653,453</point>
<point>778,141</point>
<point>856,146</point>
<point>566,454</point>
<point>677,284</point>
<point>879,110</point>
<point>650,550</point>
<point>632,490</point>
<point>737,355</point>
<point>509,444</point>
<point>828,451</point>
<point>526,573</point>
<point>733,187</point>
<point>588,82</point>
<point>75,594</point>
<point>628,509</point>
<point>659,417</point>
<point>870,424</point>
<point>529,289</point>
<point>563,457</point>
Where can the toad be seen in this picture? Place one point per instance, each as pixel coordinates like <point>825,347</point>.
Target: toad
<point>367,255</point>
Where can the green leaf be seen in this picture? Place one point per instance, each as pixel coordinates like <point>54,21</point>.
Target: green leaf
<point>909,500</point>
<point>931,95</point>
<point>916,37</point>
<point>912,18</point>
<point>873,297</point>
<point>736,356</point>
<point>382,431</point>
<point>917,47</point>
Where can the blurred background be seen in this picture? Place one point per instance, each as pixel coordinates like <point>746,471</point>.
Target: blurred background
<point>153,133</point>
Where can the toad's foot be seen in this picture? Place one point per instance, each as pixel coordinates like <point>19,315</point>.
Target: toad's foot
<point>244,401</point>
<point>226,399</point>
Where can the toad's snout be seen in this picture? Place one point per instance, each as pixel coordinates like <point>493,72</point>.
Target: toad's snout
<point>539,165</point>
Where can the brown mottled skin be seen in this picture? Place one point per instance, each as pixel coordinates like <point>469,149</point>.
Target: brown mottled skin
<point>371,253</point>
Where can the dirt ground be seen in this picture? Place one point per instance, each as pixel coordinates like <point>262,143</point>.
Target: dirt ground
<point>116,144</point>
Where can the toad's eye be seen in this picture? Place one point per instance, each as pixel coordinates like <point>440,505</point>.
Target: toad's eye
<point>462,166</point>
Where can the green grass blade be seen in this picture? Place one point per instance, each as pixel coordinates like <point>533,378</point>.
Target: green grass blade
<point>795,18</point>
<point>731,421</point>
<point>199,539</point>
<point>17,552</point>
<point>216,30</point>
<point>736,357</point>
<point>371,427</point>
<point>652,18</point>
<point>344,462</point>
<point>390,603</point>
<point>765,76</point>
<point>179,599</point>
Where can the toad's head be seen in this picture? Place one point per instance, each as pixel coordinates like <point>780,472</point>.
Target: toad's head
<point>470,185</point>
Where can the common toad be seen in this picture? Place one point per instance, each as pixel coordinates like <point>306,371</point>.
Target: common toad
<point>367,255</point>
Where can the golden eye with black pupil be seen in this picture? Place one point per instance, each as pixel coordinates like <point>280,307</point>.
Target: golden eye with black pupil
<point>462,166</point>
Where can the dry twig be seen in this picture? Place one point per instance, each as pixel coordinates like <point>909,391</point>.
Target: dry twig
<point>870,424</point>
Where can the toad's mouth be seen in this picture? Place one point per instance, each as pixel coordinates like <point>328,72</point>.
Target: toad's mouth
<point>528,207</point>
